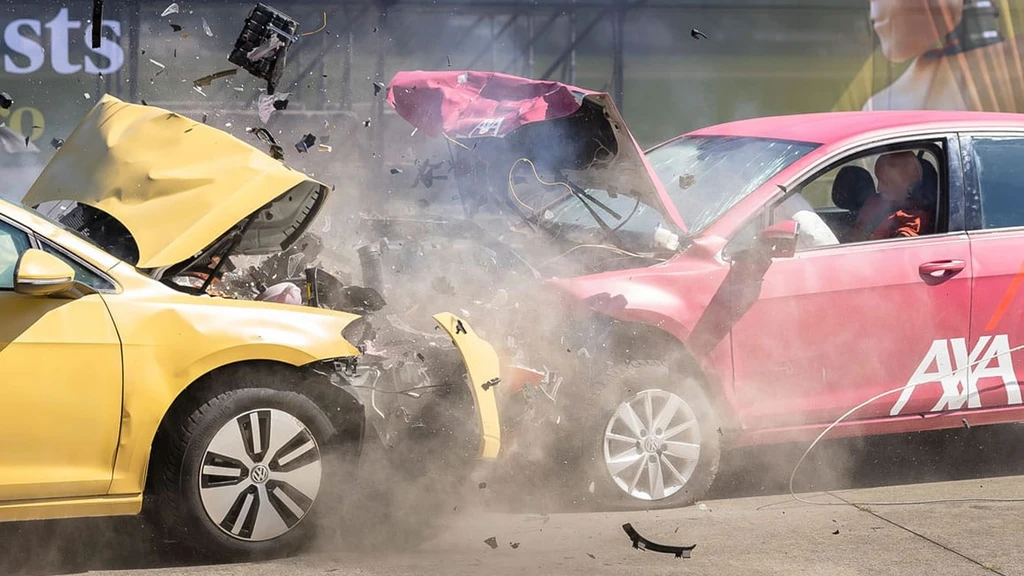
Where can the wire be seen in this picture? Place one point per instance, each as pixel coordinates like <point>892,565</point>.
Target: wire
<point>604,246</point>
<point>850,412</point>
<point>512,187</point>
<point>318,29</point>
<point>454,141</point>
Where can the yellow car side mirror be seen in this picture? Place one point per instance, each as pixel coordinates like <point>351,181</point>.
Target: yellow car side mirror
<point>42,274</point>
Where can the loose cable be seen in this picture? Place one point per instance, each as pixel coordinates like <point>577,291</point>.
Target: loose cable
<point>858,407</point>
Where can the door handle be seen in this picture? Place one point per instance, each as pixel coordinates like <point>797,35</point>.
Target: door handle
<point>941,268</point>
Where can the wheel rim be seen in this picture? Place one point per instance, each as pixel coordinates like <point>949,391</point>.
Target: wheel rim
<point>260,475</point>
<point>651,445</point>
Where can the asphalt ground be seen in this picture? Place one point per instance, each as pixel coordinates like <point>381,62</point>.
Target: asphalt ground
<point>749,524</point>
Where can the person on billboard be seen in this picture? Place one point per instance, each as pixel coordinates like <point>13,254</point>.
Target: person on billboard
<point>959,58</point>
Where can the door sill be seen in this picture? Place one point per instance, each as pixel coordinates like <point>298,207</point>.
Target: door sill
<point>56,508</point>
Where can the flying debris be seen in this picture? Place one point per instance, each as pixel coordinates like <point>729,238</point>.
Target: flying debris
<point>697,34</point>
<point>267,104</point>
<point>366,123</point>
<point>263,44</point>
<point>6,101</point>
<point>171,9</point>
<point>97,16</point>
<point>307,142</point>
<point>209,78</point>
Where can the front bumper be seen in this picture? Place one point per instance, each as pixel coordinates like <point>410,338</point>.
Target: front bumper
<point>427,393</point>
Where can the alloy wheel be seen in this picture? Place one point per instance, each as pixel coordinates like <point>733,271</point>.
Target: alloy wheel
<point>260,475</point>
<point>652,445</point>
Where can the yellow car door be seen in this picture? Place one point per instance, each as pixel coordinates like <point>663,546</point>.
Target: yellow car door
<point>60,386</point>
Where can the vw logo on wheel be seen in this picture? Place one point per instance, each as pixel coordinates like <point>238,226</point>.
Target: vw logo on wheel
<point>260,474</point>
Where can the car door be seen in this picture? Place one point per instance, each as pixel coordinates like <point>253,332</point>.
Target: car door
<point>994,178</point>
<point>836,325</point>
<point>60,386</point>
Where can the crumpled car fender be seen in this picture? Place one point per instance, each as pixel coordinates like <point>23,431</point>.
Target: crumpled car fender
<point>172,340</point>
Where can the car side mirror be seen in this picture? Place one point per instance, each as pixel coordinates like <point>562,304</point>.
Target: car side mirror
<point>779,240</point>
<point>41,274</point>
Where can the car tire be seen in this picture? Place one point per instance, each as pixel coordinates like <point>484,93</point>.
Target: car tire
<point>682,449</point>
<point>242,475</point>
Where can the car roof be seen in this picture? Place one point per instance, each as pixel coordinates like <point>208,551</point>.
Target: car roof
<point>831,127</point>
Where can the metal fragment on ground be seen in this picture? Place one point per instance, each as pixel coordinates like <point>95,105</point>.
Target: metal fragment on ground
<point>377,87</point>
<point>155,63</point>
<point>641,543</point>
<point>323,148</point>
<point>492,542</point>
<point>6,101</point>
<point>56,143</point>
<point>172,8</point>
<point>697,34</point>
<point>176,27</point>
<point>206,28</point>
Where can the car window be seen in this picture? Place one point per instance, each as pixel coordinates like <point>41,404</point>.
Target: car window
<point>849,203</point>
<point>1000,166</point>
<point>12,243</point>
<point>82,273</point>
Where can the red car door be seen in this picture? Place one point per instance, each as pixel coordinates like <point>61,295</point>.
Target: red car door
<point>836,325</point>
<point>994,177</point>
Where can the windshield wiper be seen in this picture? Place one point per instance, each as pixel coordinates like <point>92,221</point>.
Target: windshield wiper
<point>586,199</point>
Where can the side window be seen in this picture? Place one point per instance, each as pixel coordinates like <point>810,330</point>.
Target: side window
<point>1000,166</point>
<point>82,273</point>
<point>879,194</point>
<point>12,243</point>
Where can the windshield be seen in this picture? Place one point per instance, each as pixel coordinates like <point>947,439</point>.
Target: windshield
<point>707,175</point>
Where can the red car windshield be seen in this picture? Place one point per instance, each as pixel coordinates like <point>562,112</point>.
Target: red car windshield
<point>707,175</point>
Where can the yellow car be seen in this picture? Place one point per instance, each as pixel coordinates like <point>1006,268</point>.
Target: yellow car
<point>120,384</point>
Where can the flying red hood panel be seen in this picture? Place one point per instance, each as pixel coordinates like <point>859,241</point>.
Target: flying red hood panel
<point>468,104</point>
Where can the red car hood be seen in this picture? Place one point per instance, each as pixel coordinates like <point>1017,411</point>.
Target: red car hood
<point>466,105</point>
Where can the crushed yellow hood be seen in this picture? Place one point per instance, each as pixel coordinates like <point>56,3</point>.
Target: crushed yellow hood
<point>177,185</point>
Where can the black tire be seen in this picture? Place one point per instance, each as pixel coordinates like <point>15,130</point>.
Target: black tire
<point>178,465</point>
<point>628,382</point>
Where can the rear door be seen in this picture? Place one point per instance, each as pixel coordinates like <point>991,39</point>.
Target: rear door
<point>836,325</point>
<point>994,175</point>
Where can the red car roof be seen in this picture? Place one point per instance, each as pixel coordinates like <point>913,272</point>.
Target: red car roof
<point>828,127</point>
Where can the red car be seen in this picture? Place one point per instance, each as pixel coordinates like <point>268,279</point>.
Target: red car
<point>759,278</point>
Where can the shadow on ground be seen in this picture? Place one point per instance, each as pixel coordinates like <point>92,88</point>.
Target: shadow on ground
<point>76,546</point>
